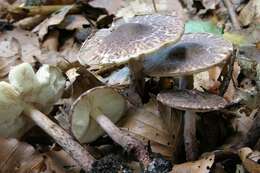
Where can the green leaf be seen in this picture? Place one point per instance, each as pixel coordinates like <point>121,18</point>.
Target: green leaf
<point>202,26</point>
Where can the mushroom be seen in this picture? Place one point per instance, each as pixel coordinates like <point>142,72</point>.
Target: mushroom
<point>95,111</point>
<point>191,101</point>
<point>196,52</point>
<point>26,96</point>
<point>134,40</point>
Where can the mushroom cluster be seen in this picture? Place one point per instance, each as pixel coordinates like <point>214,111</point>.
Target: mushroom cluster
<point>156,42</point>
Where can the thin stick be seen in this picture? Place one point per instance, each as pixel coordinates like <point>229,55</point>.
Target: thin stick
<point>232,14</point>
<point>154,6</point>
<point>73,148</point>
<point>127,142</point>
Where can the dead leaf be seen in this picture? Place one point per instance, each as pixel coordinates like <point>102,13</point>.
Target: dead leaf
<point>27,41</point>
<point>250,13</point>
<point>55,19</point>
<point>112,6</point>
<point>200,166</point>
<point>134,7</point>
<point>72,22</point>
<point>8,58</point>
<point>20,157</point>
<point>250,159</point>
<point>51,42</point>
<point>145,124</point>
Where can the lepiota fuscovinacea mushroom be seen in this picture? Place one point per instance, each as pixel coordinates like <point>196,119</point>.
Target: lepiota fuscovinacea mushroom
<point>131,41</point>
<point>26,97</point>
<point>95,111</point>
<point>196,52</point>
<point>191,101</point>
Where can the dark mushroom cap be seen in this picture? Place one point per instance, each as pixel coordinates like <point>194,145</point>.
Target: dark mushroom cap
<point>140,35</point>
<point>196,52</point>
<point>192,100</point>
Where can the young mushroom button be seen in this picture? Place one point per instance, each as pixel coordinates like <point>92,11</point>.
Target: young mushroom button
<point>22,101</point>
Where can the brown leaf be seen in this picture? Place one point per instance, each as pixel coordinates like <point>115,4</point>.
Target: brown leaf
<point>72,22</point>
<point>112,6</point>
<point>20,157</point>
<point>55,19</point>
<point>133,7</point>
<point>26,41</point>
<point>145,124</point>
<point>12,154</point>
<point>250,159</point>
<point>200,166</point>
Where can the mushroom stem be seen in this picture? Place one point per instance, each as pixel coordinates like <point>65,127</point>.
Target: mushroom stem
<point>189,131</point>
<point>127,142</point>
<point>75,150</point>
<point>190,141</point>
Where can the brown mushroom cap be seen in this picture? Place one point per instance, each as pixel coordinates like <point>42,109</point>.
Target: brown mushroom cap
<point>83,124</point>
<point>192,100</point>
<point>196,52</point>
<point>140,35</point>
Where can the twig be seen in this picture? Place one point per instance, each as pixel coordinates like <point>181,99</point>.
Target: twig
<point>232,14</point>
<point>228,76</point>
<point>42,10</point>
<point>154,6</point>
<point>77,152</point>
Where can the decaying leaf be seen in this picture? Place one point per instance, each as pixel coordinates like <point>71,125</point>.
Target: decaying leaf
<point>250,159</point>
<point>55,19</point>
<point>250,12</point>
<point>26,42</point>
<point>20,157</point>
<point>201,166</point>
<point>134,7</point>
<point>112,6</point>
<point>145,124</point>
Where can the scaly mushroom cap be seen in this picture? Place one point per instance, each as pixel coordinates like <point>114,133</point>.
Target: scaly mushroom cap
<point>140,35</point>
<point>192,100</point>
<point>106,100</point>
<point>196,52</point>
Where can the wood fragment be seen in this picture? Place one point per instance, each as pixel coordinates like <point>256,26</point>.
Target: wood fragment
<point>232,14</point>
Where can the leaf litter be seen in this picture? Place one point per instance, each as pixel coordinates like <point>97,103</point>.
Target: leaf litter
<point>55,36</point>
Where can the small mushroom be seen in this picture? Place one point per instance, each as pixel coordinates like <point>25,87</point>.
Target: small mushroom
<point>191,101</point>
<point>134,39</point>
<point>23,100</point>
<point>196,52</point>
<point>95,111</point>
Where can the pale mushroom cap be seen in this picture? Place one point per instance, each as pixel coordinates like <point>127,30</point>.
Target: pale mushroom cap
<point>12,124</point>
<point>107,100</point>
<point>140,35</point>
<point>192,100</point>
<point>196,52</point>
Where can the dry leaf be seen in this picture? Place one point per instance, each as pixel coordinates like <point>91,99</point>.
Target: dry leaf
<point>145,124</point>
<point>72,22</point>
<point>250,12</point>
<point>134,7</point>
<point>19,157</point>
<point>112,6</point>
<point>28,43</point>
<point>200,166</point>
<point>250,159</point>
<point>55,19</point>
